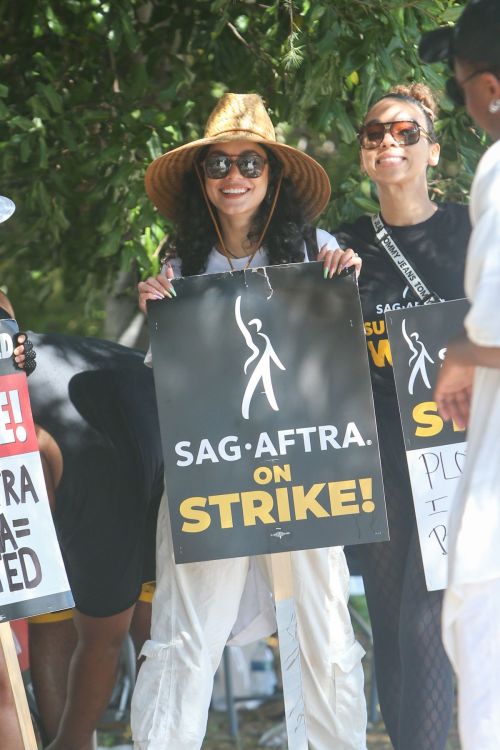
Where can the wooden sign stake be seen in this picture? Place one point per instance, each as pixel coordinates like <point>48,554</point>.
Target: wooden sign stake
<point>16,682</point>
<point>295,716</point>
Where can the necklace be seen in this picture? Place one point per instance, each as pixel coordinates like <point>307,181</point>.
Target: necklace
<point>220,249</point>
<point>247,264</point>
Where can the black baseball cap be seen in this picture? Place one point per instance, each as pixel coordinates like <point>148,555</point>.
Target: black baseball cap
<point>475,38</point>
<point>479,21</point>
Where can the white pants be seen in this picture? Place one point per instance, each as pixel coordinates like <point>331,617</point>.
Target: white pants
<point>477,661</point>
<point>195,608</point>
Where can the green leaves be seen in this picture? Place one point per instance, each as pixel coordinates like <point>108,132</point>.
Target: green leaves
<point>92,91</point>
<point>48,92</point>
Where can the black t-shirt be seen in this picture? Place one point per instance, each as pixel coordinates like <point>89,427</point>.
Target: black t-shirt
<point>436,248</point>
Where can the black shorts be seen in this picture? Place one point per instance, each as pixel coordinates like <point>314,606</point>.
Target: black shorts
<point>97,400</point>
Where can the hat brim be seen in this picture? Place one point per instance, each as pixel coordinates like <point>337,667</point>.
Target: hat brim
<point>436,45</point>
<point>164,177</point>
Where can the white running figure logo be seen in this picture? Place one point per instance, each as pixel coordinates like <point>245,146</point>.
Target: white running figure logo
<point>419,357</point>
<point>262,369</point>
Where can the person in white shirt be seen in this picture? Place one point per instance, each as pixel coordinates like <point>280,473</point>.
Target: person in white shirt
<point>468,391</point>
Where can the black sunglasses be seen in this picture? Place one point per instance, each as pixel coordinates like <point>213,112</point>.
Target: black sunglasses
<point>404,132</point>
<point>454,89</point>
<point>249,164</point>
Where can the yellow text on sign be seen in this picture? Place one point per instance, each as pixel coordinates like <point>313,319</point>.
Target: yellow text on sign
<point>320,500</point>
<point>428,421</point>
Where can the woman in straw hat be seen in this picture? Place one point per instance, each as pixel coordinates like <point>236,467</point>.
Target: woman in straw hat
<point>240,199</point>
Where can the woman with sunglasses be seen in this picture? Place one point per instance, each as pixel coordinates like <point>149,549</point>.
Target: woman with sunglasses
<point>240,199</point>
<point>398,145</point>
<point>468,391</point>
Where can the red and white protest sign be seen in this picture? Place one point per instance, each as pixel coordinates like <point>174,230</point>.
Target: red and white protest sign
<point>32,575</point>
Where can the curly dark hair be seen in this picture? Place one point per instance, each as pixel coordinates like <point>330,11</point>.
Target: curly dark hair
<point>195,234</point>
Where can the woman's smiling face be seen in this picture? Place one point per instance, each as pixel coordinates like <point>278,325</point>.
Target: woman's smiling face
<point>391,163</point>
<point>235,195</point>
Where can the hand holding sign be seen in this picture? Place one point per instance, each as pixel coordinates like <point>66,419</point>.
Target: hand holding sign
<point>156,287</point>
<point>335,261</point>
<point>24,353</point>
<point>453,392</point>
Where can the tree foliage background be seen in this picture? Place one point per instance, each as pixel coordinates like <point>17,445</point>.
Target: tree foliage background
<point>92,90</point>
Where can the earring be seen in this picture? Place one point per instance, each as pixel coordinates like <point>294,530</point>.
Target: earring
<point>494,107</point>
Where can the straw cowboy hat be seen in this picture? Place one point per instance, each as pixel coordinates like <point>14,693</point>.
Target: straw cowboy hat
<point>237,117</point>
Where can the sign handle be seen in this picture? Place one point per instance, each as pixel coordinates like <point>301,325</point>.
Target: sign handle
<point>286,616</point>
<point>17,685</point>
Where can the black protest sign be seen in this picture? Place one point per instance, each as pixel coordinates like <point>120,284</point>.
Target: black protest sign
<point>435,450</point>
<point>266,413</point>
<point>32,575</point>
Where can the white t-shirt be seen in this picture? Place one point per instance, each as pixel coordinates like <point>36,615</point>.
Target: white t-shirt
<point>475,520</point>
<point>218,263</point>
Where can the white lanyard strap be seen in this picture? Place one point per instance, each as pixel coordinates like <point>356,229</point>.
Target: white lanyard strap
<point>402,264</point>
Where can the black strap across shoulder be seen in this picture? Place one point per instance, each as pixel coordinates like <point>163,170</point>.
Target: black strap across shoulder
<point>403,265</point>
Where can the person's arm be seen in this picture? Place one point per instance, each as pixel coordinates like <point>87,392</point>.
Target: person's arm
<point>453,391</point>
<point>454,385</point>
<point>464,352</point>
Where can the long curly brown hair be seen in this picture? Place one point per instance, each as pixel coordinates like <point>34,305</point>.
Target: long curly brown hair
<point>195,235</point>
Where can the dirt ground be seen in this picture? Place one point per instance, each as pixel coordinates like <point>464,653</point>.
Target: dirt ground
<point>253,724</point>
